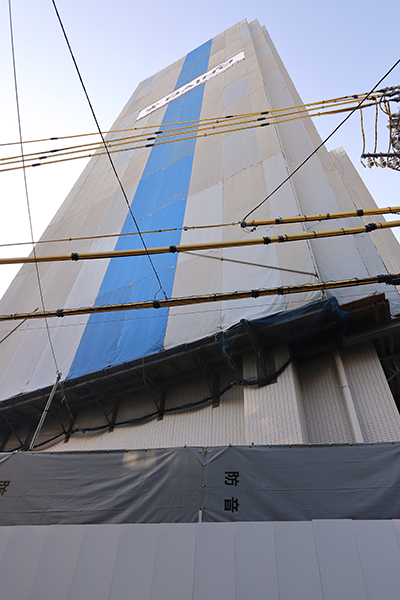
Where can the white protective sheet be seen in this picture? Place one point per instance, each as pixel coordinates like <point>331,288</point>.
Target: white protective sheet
<point>230,174</point>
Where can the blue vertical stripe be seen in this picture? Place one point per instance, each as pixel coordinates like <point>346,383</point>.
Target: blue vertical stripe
<point>159,203</point>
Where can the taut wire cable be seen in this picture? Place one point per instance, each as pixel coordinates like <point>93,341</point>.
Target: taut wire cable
<point>107,152</point>
<point>277,221</point>
<point>210,120</point>
<point>246,242</point>
<point>363,134</point>
<point>131,143</point>
<point>347,117</point>
<point>26,190</point>
<point>387,278</point>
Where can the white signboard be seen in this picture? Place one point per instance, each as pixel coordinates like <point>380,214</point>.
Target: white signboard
<point>192,84</point>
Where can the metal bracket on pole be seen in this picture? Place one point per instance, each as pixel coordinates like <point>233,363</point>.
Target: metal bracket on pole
<point>44,413</point>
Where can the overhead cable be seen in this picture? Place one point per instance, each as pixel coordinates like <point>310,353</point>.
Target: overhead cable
<point>26,190</point>
<point>391,158</point>
<point>323,216</point>
<point>275,239</point>
<point>106,149</point>
<point>302,107</point>
<point>322,143</point>
<point>200,128</point>
<point>388,278</point>
<point>249,264</point>
<point>267,222</point>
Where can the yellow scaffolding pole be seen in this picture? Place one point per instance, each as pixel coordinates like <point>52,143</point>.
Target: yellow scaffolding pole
<point>389,279</point>
<point>276,239</point>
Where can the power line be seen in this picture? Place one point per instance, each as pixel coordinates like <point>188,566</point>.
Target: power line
<point>141,142</point>
<point>249,264</point>
<point>266,240</point>
<point>322,104</point>
<point>388,278</point>
<point>26,190</point>
<point>267,222</point>
<point>323,142</point>
<point>107,151</point>
<point>178,315</point>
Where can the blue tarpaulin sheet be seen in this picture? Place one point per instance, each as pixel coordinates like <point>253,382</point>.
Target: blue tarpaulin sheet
<point>159,203</point>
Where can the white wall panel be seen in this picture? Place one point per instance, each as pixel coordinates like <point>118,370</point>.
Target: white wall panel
<point>61,549</point>
<point>298,569</point>
<point>256,570</point>
<point>236,91</point>
<point>134,565</point>
<point>272,412</point>
<point>205,426</point>
<point>238,201</point>
<point>23,548</point>
<point>240,151</point>
<point>92,577</point>
<point>339,562</point>
<point>317,560</point>
<point>215,562</point>
<point>380,554</point>
<point>174,562</point>
<point>5,533</point>
<point>324,407</point>
<point>207,169</point>
<point>376,410</point>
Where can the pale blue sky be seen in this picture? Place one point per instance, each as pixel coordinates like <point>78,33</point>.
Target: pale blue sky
<point>329,48</point>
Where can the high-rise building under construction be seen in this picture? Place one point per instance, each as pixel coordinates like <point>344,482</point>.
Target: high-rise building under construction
<point>226,421</point>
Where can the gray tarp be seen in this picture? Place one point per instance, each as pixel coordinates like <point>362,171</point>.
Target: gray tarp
<point>214,484</point>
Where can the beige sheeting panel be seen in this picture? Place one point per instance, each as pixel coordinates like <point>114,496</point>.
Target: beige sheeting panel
<point>95,206</point>
<point>231,174</point>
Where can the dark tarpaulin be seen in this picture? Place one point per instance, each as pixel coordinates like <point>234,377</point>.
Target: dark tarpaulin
<point>312,329</point>
<point>214,484</point>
